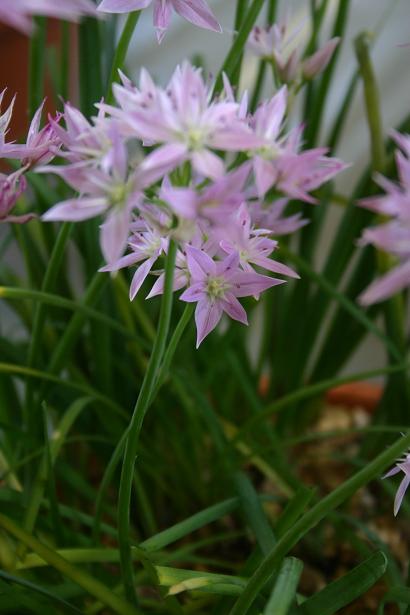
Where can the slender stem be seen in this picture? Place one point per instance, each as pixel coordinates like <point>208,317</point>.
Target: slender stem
<point>312,518</point>
<point>372,101</point>
<point>137,419</point>
<point>121,52</point>
<point>84,580</point>
<point>116,456</point>
<point>65,60</point>
<point>234,54</point>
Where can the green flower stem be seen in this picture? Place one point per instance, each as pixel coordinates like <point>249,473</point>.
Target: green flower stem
<point>84,580</point>
<point>234,55</point>
<point>372,102</point>
<point>116,456</point>
<point>172,346</point>
<point>140,410</point>
<point>271,563</point>
<point>121,52</point>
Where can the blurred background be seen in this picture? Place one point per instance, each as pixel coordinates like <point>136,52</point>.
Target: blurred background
<point>387,20</point>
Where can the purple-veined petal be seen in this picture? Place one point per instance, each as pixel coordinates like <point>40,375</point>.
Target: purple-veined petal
<point>76,210</point>
<point>234,309</point>
<point>208,164</point>
<point>162,17</point>
<point>114,234</point>
<point>197,12</point>
<point>246,284</point>
<point>123,6</point>
<point>193,293</point>
<point>400,493</point>
<point>207,316</point>
<point>200,265</point>
<point>140,275</point>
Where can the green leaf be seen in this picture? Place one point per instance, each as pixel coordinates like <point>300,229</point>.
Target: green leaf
<point>348,588</point>
<point>284,591</point>
<point>68,608</point>
<point>395,594</point>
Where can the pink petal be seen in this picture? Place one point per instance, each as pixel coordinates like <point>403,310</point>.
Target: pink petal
<point>392,472</point>
<point>392,282</point>
<point>207,316</point>
<point>140,275</point>
<point>247,284</point>
<point>180,280</point>
<point>193,293</point>
<point>275,267</point>
<point>162,16</point>
<point>125,261</point>
<point>198,13</point>
<point>200,265</point>
<point>163,160</point>
<point>123,6</point>
<point>208,164</point>
<point>234,309</point>
<point>114,234</point>
<point>400,494</point>
<point>265,175</point>
<point>76,209</point>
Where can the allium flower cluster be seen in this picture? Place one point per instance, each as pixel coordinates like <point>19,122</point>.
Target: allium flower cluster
<point>18,13</point>
<point>180,163</point>
<point>278,45</point>
<point>392,236</point>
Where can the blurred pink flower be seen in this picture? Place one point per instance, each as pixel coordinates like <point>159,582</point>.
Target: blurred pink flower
<point>277,44</point>
<point>392,236</point>
<point>18,13</point>
<point>195,11</point>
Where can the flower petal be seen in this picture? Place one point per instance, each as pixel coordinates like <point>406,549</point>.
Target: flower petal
<point>197,12</point>
<point>400,493</point>
<point>207,316</point>
<point>114,234</point>
<point>140,275</point>
<point>76,210</point>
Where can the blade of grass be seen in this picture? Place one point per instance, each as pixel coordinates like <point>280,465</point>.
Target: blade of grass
<point>83,579</point>
<point>348,588</point>
<point>284,590</point>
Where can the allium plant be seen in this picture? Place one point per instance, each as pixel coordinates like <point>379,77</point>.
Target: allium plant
<point>146,209</point>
